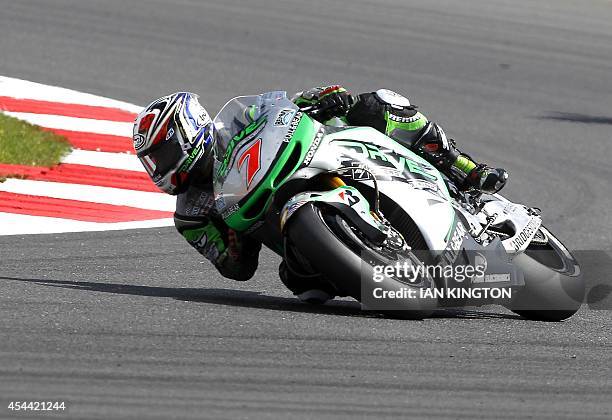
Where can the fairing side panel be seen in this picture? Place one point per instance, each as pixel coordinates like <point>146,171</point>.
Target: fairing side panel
<point>409,180</point>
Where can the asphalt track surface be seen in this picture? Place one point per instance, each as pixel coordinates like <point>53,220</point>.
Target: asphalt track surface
<point>135,325</point>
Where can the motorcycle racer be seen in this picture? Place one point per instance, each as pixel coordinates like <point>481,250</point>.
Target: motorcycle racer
<point>173,138</point>
<point>394,115</point>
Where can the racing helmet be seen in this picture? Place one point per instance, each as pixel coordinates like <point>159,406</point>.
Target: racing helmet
<point>172,136</point>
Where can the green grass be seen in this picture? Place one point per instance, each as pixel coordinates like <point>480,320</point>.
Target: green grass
<point>22,143</point>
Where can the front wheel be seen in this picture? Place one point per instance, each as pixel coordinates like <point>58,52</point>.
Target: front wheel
<point>344,257</point>
<point>554,287</point>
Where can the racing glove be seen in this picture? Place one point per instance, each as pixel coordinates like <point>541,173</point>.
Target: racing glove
<point>325,103</point>
<point>239,260</point>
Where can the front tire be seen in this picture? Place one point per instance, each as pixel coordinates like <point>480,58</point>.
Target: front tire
<point>332,248</point>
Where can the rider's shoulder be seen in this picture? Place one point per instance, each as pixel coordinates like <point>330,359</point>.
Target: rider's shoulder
<point>384,99</point>
<point>392,98</point>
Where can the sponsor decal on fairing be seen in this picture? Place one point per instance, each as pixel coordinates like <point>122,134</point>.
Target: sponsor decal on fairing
<point>284,117</point>
<point>292,127</point>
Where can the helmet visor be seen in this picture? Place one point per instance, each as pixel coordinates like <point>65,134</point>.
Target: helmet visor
<point>159,161</point>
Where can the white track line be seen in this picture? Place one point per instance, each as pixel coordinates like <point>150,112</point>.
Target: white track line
<point>124,161</point>
<point>123,129</point>
<point>24,89</point>
<point>90,193</point>
<point>19,224</point>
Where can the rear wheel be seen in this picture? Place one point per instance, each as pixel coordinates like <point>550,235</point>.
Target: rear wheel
<point>554,287</point>
<point>342,255</point>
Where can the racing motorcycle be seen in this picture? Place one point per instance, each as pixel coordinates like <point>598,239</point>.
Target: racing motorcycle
<point>339,202</point>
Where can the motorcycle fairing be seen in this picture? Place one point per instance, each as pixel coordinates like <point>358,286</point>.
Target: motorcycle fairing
<point>261,141</point>
<point>346,199</point>
<point>421,190</point>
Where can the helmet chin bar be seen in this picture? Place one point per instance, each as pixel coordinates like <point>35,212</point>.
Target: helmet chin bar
<point>202,172</point>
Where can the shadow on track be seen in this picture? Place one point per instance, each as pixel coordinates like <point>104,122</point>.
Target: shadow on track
<point>575,117</point>
<point>245,298</point>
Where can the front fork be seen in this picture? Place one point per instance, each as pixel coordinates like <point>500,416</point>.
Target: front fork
<point>333,181</point>
<point>343,199</point>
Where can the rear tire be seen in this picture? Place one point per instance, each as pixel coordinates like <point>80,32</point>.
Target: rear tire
<point>554,288</point>
<point>320,235</point>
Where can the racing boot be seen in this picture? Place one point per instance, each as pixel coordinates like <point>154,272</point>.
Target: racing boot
<point>486,179</point>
